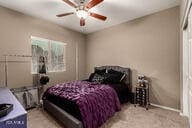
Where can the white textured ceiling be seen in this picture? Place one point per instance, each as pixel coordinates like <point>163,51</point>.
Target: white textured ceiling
<point>117,11</point>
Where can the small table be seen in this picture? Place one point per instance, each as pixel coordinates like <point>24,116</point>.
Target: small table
<point>141,96</point>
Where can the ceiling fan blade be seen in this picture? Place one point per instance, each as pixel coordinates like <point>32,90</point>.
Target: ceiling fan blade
<point>65,14</point>
<point>100,17</point>
<point>70,3</point>
<point>93,3</point>
<point>82,22</point>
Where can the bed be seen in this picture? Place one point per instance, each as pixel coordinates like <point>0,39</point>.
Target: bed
<point>70,114</point>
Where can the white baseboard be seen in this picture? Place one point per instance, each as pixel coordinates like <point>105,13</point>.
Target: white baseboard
<point>182,114</point>
<point>165,107</point>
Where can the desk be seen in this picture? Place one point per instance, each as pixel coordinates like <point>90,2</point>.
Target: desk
<point>17,118</point>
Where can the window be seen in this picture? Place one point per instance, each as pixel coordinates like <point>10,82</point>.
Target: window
<point>53,52</point>
<point>57,56</point>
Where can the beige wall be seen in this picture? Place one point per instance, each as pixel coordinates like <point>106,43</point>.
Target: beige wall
<point>15,31</point>
<point>149,46</point>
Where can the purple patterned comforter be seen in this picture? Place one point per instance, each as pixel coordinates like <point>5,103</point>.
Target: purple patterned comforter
<point>96,102</point>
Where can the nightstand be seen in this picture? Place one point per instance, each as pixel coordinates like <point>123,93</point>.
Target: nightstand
<point>142,96</point>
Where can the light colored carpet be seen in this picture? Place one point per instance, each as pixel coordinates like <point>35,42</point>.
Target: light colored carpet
<point>128,117</point>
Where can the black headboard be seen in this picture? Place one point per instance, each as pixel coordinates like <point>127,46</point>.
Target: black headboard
<point>127,71</point>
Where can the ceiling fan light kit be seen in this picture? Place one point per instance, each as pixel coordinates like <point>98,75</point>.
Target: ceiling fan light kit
<point>82,10</point>
<point>82,14</point>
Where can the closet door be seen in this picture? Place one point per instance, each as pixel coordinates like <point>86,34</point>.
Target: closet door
<point>185,73</point>
<point>190,65</point>
<point>190,83</point>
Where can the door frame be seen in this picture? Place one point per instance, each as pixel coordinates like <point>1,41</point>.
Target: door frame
<point>185,74</point>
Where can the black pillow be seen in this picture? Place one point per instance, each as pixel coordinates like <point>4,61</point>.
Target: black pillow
<point>119,75</point>
<point>91,77</point>
<point>111,71</point>
<point>111,78</point>
<point>97,78</point>
<point>100,72</point>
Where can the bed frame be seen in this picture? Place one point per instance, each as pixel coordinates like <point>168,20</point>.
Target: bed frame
<point>68,120</point>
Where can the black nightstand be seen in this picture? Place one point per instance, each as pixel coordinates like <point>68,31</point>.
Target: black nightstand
<point>142,96</point>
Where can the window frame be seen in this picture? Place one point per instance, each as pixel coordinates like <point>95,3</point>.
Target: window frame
<point>49,54</point>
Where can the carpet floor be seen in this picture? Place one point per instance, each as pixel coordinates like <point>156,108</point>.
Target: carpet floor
<point>128,117</point>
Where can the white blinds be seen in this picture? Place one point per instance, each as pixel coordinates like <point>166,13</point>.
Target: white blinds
<point>53,51</point>
<point>57,56</point>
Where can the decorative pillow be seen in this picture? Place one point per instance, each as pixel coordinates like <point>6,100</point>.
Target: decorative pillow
<point>111,78</point>
<point>100,72</point>
<point>98,78</point>
<point>119,75</point>
<point>115,72</point>
<point>91,76</point>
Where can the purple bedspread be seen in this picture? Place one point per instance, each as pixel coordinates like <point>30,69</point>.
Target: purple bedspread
<point>96,102</point>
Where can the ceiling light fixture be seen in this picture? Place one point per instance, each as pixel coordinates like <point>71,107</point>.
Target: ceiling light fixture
<point>82,14</point>
<point>83,10</point>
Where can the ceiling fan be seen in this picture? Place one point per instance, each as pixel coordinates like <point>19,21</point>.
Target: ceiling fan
<point>82,10</point>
